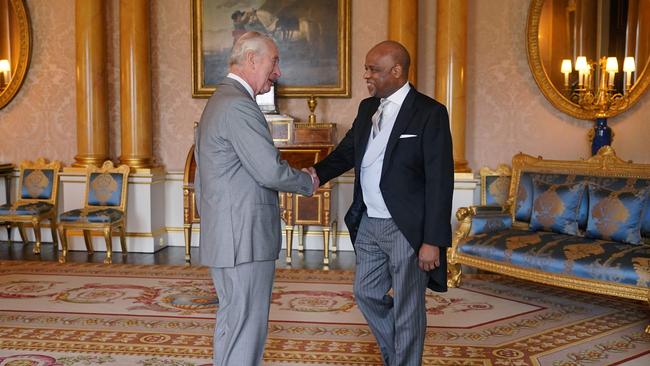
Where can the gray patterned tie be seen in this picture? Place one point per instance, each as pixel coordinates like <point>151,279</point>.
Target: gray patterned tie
<point>377,117</point>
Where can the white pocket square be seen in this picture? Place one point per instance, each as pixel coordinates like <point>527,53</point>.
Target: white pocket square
<point>406,136</point>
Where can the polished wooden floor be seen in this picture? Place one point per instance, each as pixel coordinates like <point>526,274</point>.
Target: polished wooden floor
<point>311,259</point>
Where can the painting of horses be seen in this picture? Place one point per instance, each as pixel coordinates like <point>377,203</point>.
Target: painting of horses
<point>312,37</point>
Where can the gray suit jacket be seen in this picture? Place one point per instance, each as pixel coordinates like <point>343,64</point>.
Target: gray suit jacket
<point>237,181</point>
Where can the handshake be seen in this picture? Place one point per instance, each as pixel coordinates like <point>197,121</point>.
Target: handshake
<point>314,177</point>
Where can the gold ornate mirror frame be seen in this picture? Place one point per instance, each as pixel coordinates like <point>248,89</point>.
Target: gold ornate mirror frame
<point>551,92</point>
<point>24,48</point>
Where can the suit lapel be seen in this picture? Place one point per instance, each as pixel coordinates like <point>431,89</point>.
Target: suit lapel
<point>403,119</point>
<point>364,132</point>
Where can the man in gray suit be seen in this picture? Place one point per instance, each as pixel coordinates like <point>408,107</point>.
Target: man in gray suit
<point>237,183</point>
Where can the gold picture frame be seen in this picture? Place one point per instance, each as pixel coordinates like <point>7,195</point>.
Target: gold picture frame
<point>314,51</point>
<point>19,51</point>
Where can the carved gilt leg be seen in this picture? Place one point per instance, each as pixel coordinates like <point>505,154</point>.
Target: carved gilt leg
<point>326,245</point>
<point>88,240</point>
<point>301,233</point>
<point>23,233</point>
<point>187,230</point>
<point>334,236</point>
<point>8,226</point>
<point>289,236</point>
<point>122,233</point>
<point>109,246</point>
<point>37,235</point>
<point>454,269</point>
<point>55,238</point>
<point>64,245</point>
<point>647,328</point>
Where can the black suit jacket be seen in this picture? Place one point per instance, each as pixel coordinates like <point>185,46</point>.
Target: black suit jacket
<point>417,179</point>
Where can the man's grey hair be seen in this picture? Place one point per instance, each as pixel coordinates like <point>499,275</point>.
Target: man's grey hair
<point>249,41</point>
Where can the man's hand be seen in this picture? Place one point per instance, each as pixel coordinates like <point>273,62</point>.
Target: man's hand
<point>314,177</point>
<point>428,257</point>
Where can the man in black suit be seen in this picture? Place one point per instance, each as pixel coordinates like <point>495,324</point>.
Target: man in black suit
<point>399,222</point>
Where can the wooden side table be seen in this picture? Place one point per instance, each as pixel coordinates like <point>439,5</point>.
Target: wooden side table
<point>302,210</point>
<point>302,145</point>
<point>311,143</point>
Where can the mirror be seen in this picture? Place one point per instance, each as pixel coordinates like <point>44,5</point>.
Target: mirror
<point>15,48</point>
<point>590,57</point>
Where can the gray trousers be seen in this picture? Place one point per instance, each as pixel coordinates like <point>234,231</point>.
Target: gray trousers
<point>244,293</point>
<point>386,260</point>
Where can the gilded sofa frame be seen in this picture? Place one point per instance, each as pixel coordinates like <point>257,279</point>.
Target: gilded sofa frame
<point>605,163</point>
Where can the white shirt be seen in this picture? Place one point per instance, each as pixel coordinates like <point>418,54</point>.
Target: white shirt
<point>242,82</point>
<point>373,159</point>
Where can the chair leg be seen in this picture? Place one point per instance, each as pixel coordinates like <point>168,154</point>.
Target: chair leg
<point>123,240</point>
<point>88,239</point>
<point>8,226</point>
<point>23,233</point>
<point>188,241</point>
<point>109,246</point>
<point>64,245</point>
<point>55,238</point>
<point>37,236</point>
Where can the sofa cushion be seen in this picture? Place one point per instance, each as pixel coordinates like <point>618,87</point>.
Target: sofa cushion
<point>524,199</point>
<point>496,190</point>
<point>570,255</point>
<point>25,208</point>
<point>85,215</point>
<point>490,222</point>
<point>616,215</point>
<point>523,203</point>
<point>525,194</point>
<point>556,206</point>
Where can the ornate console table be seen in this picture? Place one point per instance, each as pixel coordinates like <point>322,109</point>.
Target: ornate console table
<point>301,145</point>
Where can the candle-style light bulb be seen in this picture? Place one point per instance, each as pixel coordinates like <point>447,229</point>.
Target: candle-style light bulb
<point>5,69</point>
<point>628,67</point>
<point>581,66</point>
<point>566,70</point>
<point>612,68</point>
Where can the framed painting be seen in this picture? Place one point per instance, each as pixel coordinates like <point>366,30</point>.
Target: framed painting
<point>313,38</point>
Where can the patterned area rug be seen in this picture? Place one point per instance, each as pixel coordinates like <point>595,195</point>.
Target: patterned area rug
<point>94,314</point>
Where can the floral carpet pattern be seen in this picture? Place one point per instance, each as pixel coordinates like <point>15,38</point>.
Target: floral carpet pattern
<point>95,314</point>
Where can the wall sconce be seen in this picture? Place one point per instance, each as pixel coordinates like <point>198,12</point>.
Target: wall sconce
<point>5,71</point>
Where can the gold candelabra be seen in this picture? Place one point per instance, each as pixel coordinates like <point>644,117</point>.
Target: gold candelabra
<point>605,100</point>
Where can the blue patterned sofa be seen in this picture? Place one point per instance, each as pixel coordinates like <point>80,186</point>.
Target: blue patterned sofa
<point>583,225</point>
